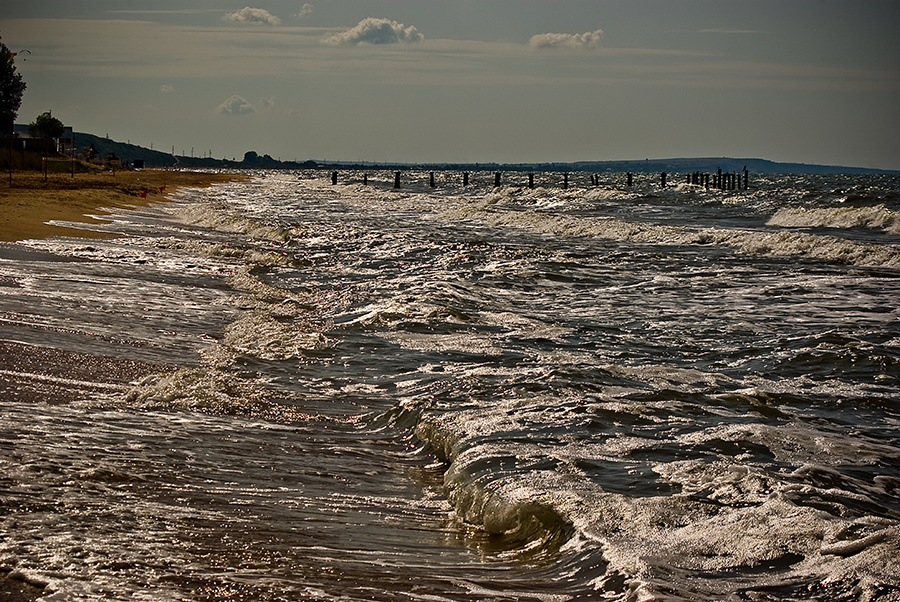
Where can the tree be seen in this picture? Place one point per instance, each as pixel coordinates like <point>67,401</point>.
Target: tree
<point>11,88</point>
<point>46,126</point>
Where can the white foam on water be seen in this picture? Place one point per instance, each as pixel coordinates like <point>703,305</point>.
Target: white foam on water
<point>489,209</point>
<point>878,216</point>
<point>725,522</point>
<point>775,244</point>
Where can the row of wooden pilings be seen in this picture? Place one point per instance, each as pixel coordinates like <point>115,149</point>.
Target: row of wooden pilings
<point>719,180</point>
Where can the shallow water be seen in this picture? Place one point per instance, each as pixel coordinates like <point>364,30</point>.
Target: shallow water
<point>285,389</point>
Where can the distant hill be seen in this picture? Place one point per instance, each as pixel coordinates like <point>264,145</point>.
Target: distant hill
<point>153,158</point>
<point>124,151</point>
<point>726,164</point>
<point>252,160</point>
<point>674,166</point>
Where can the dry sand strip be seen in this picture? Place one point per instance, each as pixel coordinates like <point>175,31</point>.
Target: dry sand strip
<point>32,201</point>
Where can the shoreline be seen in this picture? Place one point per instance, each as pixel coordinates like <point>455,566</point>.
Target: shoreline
<point>46,373</point>
<point>31,202</point>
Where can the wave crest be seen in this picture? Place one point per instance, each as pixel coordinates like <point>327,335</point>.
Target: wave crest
<point>878,216</point>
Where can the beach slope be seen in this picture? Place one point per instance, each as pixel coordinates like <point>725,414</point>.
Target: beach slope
<point>32,201</point>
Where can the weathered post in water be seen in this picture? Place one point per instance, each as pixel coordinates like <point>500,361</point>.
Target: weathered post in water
<point>431,179</point>
<point>630,179</point>
<point>531,180</point>
<point>566,180</point>
<point>396,179</point>
<point>333,178</point>
<point>465,178</point>
<point>365,179</point>
<point>496,179</point>
<point>662,179</point>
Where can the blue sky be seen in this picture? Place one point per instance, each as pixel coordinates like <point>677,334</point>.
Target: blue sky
<point>813,81</point>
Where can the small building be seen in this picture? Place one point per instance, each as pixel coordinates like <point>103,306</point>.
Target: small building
<point>23,140</point>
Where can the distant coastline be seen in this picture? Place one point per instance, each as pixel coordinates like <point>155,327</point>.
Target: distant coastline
<point>252,160</point>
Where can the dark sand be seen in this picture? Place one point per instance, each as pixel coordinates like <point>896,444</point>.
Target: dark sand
<point>29,373</point>
<point>15,588</point>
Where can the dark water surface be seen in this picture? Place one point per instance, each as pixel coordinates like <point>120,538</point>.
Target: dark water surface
<point>288,390</point>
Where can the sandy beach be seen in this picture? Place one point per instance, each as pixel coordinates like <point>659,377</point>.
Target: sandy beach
<point>32,201</point>
<point>43,374</point>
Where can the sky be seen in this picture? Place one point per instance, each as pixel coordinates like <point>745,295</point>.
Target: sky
<point>507,81</point>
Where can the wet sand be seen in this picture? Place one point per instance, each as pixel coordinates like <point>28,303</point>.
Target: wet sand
<point>32,201</point>
<point>15,587</point>
<point>35,374</point>
<point>41,374</point>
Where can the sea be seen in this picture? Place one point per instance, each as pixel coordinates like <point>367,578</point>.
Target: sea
<point>288,389</point>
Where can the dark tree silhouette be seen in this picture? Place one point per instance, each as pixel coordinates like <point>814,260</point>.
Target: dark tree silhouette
<point>11,88</point>
<point>46,127</point>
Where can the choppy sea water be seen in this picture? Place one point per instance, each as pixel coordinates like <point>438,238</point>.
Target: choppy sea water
<point>286,389</point>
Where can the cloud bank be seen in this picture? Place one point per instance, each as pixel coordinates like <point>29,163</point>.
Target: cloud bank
<point>235,105</point>
<point>590,39</point>
<point>253,15</point>
<point>375,31</point>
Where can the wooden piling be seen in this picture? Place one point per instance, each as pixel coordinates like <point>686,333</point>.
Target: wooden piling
<point>630,179</point>
<point>465,178</point>
<point>396,179</point>
<point>565,180</point>
<point>496,179</point>
<point>334,175</point>
<point>531,180</point>
<point>662,179</point>
<point>431,179</point>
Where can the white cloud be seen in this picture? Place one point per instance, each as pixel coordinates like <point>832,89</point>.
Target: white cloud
<point>253,15</point>
<point>305,11</point>
<point>590,39</point>
<point>375,31</point>
<point>235,105</point>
